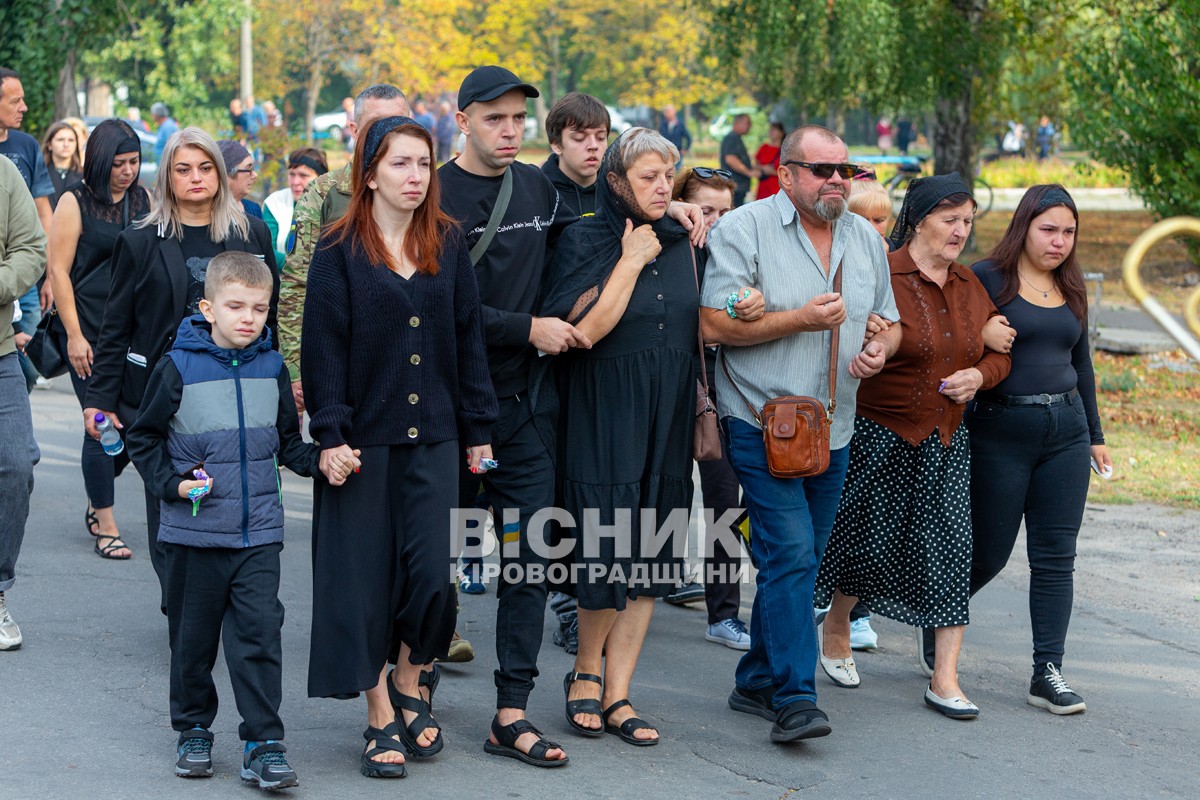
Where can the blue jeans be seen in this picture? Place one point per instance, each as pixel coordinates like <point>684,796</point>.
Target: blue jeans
<point>791,519</point>
<point>18,455</point>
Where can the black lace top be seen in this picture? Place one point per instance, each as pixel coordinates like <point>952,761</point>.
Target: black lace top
<point>102,223</point>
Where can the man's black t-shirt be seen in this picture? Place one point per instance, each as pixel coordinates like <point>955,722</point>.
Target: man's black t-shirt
<point>198,249</point>
<point>510,272</point>
<point>732,145</point>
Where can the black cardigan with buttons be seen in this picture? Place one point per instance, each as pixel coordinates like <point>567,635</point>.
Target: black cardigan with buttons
<point>386,366</point>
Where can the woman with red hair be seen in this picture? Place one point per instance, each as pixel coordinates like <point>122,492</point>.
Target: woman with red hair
<point>394,373</point>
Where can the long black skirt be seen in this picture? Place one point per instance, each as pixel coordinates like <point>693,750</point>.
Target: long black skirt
<point>382,566</point>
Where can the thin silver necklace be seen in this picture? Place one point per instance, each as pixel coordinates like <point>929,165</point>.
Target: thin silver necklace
<point>1045,292</point>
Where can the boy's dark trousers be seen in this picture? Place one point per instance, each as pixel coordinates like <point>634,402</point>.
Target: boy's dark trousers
<point>224,595</point>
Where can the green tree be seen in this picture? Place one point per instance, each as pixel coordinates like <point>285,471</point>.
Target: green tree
<point>1144,77</point>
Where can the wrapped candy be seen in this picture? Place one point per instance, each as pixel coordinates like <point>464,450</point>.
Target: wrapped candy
<point>196,494</point>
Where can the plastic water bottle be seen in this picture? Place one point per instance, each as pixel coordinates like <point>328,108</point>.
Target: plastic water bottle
<point>110,440</point>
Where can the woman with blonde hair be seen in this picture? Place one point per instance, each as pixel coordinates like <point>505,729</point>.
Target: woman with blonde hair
<point>158,269</point>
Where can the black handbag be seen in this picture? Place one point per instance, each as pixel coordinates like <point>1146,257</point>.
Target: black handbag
<point>42,349</point>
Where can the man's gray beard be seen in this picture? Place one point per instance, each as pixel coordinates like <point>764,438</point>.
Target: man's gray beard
<point>829,210</point>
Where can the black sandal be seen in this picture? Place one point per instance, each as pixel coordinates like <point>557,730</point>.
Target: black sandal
<point>507,736</point>
<point>586,705</point>
<point>424,719</point>
<point>428,680</point>
<point>114,543</point>
<point>627,728</point>
<point>384,743</point>
<point>90,519</point>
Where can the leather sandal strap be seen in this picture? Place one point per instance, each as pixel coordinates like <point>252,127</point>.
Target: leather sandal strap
<point>383,739</point>
<point>619,704</point>
<point>584,676</point>
<point>629,726</point>
<point>507,736</point>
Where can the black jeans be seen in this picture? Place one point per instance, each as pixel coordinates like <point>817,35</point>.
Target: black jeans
<point>720,491</point>
<point>1030,462</point>
<point>99,468</point>
<point>230,597</point>
<point>523,484</point>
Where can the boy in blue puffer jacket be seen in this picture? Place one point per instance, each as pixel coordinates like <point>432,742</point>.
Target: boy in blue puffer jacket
<point>221,400</point>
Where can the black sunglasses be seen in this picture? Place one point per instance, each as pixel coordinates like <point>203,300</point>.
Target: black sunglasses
<point>825,171</point>
<point>704,173</point>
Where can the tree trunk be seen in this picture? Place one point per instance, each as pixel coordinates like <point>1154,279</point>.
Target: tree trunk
<point>66,98</point>
<point>316,78</point>
<point>954,136</point>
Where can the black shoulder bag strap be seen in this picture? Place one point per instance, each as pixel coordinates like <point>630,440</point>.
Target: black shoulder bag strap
<point>494,220</point>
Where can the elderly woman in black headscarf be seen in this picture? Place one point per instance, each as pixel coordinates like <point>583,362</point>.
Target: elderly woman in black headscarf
<point>625,278</point>
<point>901,543</point>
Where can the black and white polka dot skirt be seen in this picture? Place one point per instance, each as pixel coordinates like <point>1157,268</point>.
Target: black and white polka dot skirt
<point>902,540</point>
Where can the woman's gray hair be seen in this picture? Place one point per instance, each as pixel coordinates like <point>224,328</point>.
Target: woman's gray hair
<point>637,142</point>
<point>227,214</point>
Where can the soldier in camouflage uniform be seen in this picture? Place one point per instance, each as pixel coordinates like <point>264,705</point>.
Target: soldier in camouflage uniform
<point>323,202</point>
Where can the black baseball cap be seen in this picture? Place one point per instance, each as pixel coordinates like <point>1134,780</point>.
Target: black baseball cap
<point>488,83</point>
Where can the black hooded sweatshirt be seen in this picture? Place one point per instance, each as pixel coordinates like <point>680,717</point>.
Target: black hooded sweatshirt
<point>580,199</point>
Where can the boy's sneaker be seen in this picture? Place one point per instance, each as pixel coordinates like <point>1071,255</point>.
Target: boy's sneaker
<point>862,636</point>
<point>266,764</point>
<point>729,632</point>
<point>690,592</point>
<point>460,651</point>
<point>470,580</point>
<point>567,635</point>
<point>194,754</point>
<point>10,634</point>
<point>1049,690</point>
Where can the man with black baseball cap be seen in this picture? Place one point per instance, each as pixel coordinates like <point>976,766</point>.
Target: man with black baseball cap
<point>510,250</point>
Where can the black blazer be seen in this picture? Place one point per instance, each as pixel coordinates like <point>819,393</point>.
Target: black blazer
<point>146,302</point>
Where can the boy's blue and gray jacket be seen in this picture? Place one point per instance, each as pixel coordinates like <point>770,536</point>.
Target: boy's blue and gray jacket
<point>233,412</point>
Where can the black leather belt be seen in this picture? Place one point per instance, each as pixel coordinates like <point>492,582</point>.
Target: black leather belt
<point>1029,399</point>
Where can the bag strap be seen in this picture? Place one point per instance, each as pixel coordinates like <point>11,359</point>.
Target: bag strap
<point>833,361</point>
<point>833,346</point>
<point>494,220</point>
<point>699,328</point>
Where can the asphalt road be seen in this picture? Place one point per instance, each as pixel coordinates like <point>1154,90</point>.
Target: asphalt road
<point>83,709</point>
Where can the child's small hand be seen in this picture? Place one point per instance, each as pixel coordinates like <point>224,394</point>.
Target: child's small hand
<point>187,486</point>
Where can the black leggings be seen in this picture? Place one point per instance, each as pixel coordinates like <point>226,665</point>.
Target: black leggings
<point>1031,462</point>
<point>99,468</point>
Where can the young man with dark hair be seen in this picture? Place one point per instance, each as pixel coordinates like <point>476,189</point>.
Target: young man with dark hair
<point>577,127</point>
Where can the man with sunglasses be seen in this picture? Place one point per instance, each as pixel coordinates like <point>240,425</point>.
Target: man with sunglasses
<point>736,158</point>
<point>792,246</point>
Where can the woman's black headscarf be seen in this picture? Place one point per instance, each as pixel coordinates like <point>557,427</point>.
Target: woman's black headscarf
<point>589,250</point>
<point>922,197</point>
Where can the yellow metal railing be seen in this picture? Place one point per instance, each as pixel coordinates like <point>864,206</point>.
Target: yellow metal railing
<point>1167,228</point>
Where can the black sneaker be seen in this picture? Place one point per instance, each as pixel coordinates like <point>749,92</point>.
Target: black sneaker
<point>690,592</point>
<point>754,701</point>
<point>266,765</point>
<point>194,754</point>
<point>800,720</point>
<point>567,635</point>
<point>1050,691</point>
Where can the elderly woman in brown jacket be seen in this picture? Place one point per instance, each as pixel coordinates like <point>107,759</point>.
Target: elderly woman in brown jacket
<point>902,540</point>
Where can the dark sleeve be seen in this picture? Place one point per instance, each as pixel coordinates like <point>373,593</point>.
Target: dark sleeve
<point>994,367</point>
<point>685,137</point>
<point>1081,360</point>
<point>505,328</point>
<point>477,407</point>
<point>299,456</point>
<point>266,248</point>
<point>147,439</point>
<point>560,213</point>
<point>116,330</point>
<point>324,361</point>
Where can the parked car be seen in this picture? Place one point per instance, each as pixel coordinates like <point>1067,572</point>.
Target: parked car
<point>329,125</point>
<point>149,173</point>
<point>723,124</point>
<point>641,116</point>
<point>617,123</point>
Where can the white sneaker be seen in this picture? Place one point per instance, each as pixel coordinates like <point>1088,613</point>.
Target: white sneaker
<point>43,383</point>
<point>729,632</point>
<point>862,637</point>
<point>10,634</point>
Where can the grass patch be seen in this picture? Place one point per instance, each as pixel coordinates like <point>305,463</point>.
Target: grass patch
<point>1150,409</point>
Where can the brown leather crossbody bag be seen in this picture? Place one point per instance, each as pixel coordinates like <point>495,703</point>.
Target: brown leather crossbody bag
<point>795,428</point>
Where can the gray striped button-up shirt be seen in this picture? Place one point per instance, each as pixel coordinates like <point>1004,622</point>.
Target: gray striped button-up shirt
<point>763,245</point>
